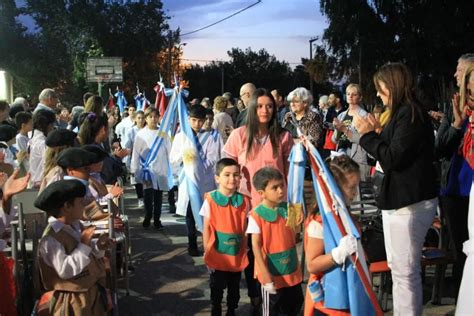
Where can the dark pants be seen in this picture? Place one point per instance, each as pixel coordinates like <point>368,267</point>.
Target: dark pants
<point>218,281</point>
<point>139,190</point>
<point>152,200</point>
<point>191,228</point>
<point>456,209</point>
<point>253,287</point>
<point>287,300</point>
<point>171,199</point>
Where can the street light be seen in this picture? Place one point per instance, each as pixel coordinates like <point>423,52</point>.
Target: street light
<point>179,53</point>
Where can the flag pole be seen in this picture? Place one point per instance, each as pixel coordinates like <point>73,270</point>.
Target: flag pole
<point>337,219</point>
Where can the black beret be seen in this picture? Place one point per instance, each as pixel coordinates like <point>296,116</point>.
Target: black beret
<point>60,137</point>
<point>75,158</point>
<point>14,109</point>
<point>7,132</point>
<point>55,195</point>
<point>97,150</point>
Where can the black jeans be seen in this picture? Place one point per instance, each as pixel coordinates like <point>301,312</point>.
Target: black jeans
<point>152,200</point>
<point>287,300</point>
<point>171,199</point>
<point>218,281</point>
<point>253,287</point>
<point>191,228</point>
<point>456,209</point>
<point>139,190</point>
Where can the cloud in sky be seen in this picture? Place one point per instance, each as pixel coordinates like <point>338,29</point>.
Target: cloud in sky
<point>282,27</point>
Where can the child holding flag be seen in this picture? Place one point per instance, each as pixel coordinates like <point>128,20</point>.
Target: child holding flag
<point>207,150</point>
<point>155,148</point>
<point>274,245</point>
<point>225,243</point>
<point>347,176</point>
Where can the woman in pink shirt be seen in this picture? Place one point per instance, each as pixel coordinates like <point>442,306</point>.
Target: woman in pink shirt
<point>261,142</point>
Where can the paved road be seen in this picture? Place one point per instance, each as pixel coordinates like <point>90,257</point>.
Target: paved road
<point>167,281</point>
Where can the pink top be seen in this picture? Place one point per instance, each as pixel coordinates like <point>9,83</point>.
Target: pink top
<point>261,156</point>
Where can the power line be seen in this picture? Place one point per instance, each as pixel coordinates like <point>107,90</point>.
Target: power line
<point>218,61</point>
<point>226,18</point>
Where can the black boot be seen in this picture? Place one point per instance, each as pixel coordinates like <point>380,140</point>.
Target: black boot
<point>146,222</point>
<point>216,310</point>
<point>256,306</point>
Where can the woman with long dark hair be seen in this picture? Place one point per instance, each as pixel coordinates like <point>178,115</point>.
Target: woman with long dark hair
<point>408,196</point>
<point>95,130</point>
<point>261,142</point>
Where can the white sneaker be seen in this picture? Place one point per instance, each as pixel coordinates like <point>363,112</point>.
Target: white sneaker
<point>140,203</point>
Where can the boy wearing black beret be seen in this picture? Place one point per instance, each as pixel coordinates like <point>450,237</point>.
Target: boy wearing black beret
<point>76,163</point>
<point>69,259</point>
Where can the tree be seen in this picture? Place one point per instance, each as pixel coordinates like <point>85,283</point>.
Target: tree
<point>68,32</point>
<point>260,68</point>
<point>18,50</point>
<point>428,36</point>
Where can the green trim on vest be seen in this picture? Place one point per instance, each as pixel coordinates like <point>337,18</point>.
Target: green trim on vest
<point>270,214</point>
<point>236,199</point>
<point>283,263</point>
<point>228,244</point>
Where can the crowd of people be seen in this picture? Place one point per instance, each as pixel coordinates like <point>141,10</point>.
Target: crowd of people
<point>240,153</point>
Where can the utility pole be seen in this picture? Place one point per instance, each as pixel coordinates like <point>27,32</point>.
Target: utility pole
<point>170,58</point>
<point>313,39</point>
<point>222,78</point>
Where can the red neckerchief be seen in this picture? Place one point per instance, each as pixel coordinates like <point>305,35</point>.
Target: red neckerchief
<point>467,147</point>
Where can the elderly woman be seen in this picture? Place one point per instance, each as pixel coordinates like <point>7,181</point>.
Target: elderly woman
<point>346,136</point>
<point>222,121</point>
<point>301,120</point>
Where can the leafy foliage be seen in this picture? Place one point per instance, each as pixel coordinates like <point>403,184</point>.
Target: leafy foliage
<point>68,32</point>
<point>428,35</point>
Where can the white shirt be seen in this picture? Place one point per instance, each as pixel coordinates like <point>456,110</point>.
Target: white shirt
<point>252,227</point>
<point>315,230</point>
<point>22,142</point>
<point>212,149</point>
<point>159,168</point>
<point>206,209</point>
<point>122,128</point>
<point>54,254</point>
<point>222,121</point>
<point>37,156</point>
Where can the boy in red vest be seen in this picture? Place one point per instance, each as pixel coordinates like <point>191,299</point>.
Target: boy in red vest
<point>225,243</point>
<point>273,242</point>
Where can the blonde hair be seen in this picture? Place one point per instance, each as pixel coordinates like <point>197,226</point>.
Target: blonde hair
<point>466,78</point>
<point>94,104</point>
<point>220,104</point>
<point>354,86</point>
<point>51,158</point>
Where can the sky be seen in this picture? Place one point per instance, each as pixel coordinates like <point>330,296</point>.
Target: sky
<point>282,27</point>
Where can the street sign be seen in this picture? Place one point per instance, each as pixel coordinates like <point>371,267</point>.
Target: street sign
<point>104,69</point>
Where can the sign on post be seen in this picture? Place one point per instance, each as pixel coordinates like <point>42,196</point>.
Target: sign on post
<point>104,69</point>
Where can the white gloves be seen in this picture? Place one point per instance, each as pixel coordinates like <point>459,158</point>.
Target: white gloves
<point>270,288</point>
<point>347,246</point>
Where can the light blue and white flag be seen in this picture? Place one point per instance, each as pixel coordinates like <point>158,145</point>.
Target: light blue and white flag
<point>121,100</point>
<point>346,287</point>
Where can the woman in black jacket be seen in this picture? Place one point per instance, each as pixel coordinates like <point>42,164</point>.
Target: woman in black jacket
<point>408,197</point>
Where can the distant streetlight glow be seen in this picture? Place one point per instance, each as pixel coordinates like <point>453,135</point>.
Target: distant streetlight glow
<point>6,86</point>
